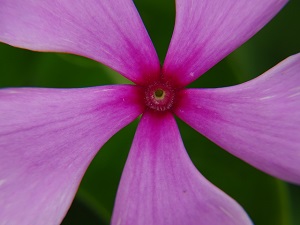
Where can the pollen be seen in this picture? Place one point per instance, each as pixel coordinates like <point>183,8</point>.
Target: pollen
<point>159,96</point>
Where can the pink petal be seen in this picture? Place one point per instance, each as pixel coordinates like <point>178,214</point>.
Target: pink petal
<point>208,30</point>
<point>161,186</point>
<point>258,121</point>
<point>110,32</point>
<point>47,139</point>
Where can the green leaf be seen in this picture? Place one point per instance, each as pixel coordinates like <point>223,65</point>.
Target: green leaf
<point>80,213</point>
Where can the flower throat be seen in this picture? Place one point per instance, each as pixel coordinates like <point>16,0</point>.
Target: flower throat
<point>160,96</point>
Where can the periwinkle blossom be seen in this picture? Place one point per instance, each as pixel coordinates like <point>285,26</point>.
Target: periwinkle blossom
<point>48,137</point>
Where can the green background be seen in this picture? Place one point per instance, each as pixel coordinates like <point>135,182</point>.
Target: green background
<point>266,199</point>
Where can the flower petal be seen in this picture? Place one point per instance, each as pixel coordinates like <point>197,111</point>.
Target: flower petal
<point>208,30</point>
<point>110,32</point>
<point>47,139</point>
<point>161,186</point>
<point>258,121</point>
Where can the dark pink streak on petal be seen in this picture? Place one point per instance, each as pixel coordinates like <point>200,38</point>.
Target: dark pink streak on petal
<point>48,137</point>
<point>258,121</point>
<point>208,30</point>
<point>110,32</point>
<point>161,186</point>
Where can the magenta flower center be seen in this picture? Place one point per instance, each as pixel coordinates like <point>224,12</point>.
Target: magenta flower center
<point>160,96</point>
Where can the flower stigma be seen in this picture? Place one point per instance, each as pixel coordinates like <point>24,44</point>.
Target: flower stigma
<point>159,96</point>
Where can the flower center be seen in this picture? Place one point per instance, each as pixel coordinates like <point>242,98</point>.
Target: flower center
<point>159,96</point>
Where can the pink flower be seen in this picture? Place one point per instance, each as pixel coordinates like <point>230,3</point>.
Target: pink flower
<point>48,137</point>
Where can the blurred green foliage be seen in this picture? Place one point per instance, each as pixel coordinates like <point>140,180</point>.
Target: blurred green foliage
<point>266,199</point>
